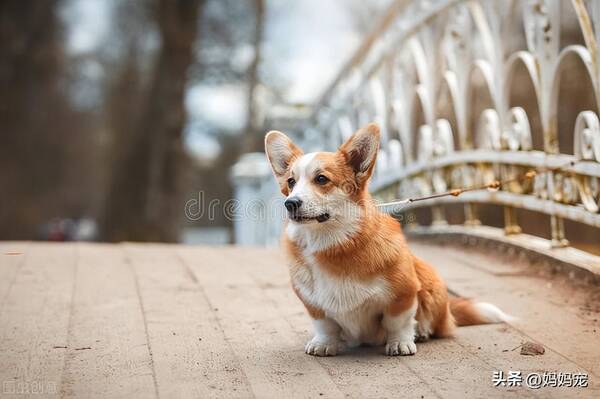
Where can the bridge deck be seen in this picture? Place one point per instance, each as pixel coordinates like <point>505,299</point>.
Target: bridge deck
<point>172,321</point>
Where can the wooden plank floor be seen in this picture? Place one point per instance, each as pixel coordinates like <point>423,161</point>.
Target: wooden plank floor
<point>160,321</point>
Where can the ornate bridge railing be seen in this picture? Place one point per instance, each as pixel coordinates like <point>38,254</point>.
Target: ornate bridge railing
<point>420,75</point>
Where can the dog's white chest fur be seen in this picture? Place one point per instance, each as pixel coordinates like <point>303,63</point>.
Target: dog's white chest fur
<point>355,305</point>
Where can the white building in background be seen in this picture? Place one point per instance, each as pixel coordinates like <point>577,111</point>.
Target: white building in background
<point>257,211</point>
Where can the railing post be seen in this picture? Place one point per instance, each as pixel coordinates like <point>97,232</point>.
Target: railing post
<point>558,232</point>
<point>438,216</point>
<point>510,221</point>
<point>471,215</point>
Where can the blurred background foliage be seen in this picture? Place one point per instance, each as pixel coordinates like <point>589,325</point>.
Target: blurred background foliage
<point>114,112</point>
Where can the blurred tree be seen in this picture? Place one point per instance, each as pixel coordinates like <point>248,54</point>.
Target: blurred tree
<point>225,51</point>
<point>144,202</point>
<point>41,135</point>
<point>253,135</point>
<point>229,54</point>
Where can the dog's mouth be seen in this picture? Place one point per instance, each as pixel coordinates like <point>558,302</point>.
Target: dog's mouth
<point>305,219</point>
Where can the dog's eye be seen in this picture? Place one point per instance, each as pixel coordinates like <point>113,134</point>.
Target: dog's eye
<point>291,182</point>
<point>320,179</point>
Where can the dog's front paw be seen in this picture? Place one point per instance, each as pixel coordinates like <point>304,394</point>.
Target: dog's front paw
<point>319,346</point>
<point>396,348</point>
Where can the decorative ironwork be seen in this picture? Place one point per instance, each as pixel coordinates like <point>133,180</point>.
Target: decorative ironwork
<point>436,47</point>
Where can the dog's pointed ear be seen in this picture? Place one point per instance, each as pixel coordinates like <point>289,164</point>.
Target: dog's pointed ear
<point>360,151</point>
<point>281,151</point>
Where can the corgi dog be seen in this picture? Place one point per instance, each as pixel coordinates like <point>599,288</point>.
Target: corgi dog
<point>349,263</point>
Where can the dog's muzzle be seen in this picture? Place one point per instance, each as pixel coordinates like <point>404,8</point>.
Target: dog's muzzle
<point>293,207</point>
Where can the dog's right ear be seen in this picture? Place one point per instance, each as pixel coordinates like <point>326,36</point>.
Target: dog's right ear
<point>281,151</point>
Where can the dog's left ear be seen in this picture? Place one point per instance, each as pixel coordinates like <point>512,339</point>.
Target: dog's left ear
<point>360,151</point>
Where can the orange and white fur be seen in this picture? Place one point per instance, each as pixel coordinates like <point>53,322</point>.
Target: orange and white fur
<point>349,264</point>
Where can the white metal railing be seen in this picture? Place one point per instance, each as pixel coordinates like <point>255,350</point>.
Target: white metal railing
<point>424,48</point>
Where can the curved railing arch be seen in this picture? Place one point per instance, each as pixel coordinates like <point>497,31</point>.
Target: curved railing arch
<point>584,56</point>
<point>437,45</point>
<point>455,108</point>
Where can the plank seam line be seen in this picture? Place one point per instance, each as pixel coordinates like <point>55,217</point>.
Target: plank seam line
<point>319,360</point>
<point>274,303</point>
<point>538,340</point>
<point>554,350</point>
<point>535,393</point>
<point>423,380</point>
<point>143,310</point>
<point>14,278</point>
<point>194,278</point>
<point>70,322</point>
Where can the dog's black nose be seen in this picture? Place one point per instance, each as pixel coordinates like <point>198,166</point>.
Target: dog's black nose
<point>292,204</point>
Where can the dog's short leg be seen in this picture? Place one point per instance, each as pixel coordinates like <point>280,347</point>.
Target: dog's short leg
<point>400,330</point>
<point>424,330</point>
<point>326,341</point>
